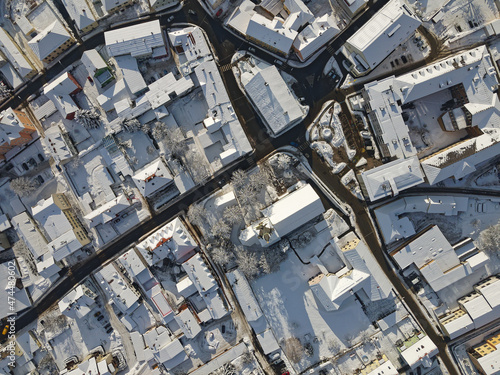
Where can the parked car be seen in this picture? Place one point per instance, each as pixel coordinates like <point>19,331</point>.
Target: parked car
<point>109,330</point>
<point>170,19</point>
<point>90,79</point>
<point>100,318</point>
<point>97,314</point>
<point>40,179</point>
<point>192,12</point>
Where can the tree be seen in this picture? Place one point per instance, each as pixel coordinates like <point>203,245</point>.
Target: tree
<point>365,337</point>
<point>145,128</point>
<point>150,150</point>
<point>226,369</point>
<point>197,214</point>
<point>264,264</point>
<point>239,179</point>
<point>294,349</point>
<point>489,240</point>
<point>175,141</point>
<point>23,186</point>
<point>247,262</point>
<point>159,131</point>
<point>283,162</point>
<point>221,229</point>
<point>221,255</point>
<point>257,181</point>
<point>5,91</point>
<point>88,118</point>
<point>131,125</point>
<point>271,258</point>
<point>333,346</point>
<point>233,214</point>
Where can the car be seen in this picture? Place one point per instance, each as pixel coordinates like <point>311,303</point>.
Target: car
<point>223,328</point>
<point>110,330</point>
<point>219,12</point>
<point>107,326</point>
<point>404,59</point>
<point>286,373</point>
<point>365,134</point>
<point>40,157</point>
<point>97,314</point>
<point>170,19</point>
<point>279,62</point>
<point>165,72</point>
<point>90,79</point>
<point>251,49</point>
<point>221,182</point>
<point>5,330</point>
<point>40,179</point>
<point>25,167</point>
<point>101,317</point>
<point>192,12</point>
<point>294,144</point>
<point>117,221</point>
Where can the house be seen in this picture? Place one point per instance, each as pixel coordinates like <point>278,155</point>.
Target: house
<point>17,68</point>
<point>171,240</point>
<point>353,7</point>
<point>138,41</point>
<point>108,211</point>
<point>165,350</point>
<point>127,65</point>
<point>58,144</point>
<point>61,91</point>
<point>117,289</point>
<point>113,6</point>
<point>13,288</point>
<point>92,366</point>
<point>30,234</point>
<point>16,129</point>
<point>456,323</point>
<point>61,224</point>
<point>167,88</point>
<point>82,15</point>
<point>116,92</point>
<point>486,355</point>
<point>51,42</point>
<point>152,178</point>
<point>189,324</point>
<point>420,353</point>
<point>272,98</point>
<point>97,68</point>
<point>78,303</point>
<point>47,266</point>
<point>157,5</point>
<point>287,214</point>
<point>379,36</point>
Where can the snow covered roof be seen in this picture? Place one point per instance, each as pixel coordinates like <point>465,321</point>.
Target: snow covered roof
<point>152,178</point>
<point>478,309</point>
<point>199,274</point>
<point>64,245</point>
<point>185,287</point>
<point>240,18</point>
<point>28,231</point>
<point>51,217</point>
<point>80,12</point>
<point>213,87</point>
<point>420,352</point>
<point>490,362</point>
<point>10,126</point>
<point>191,46</point>
<point>167,88</point>
<point>160,301</point>
<point>76,304</point>
<point>21,296</point>
<point>387,29</point>
<point>273,99</point>
<point>457,323</point>
<point>59,91</point>
<point>107,211</point>
<point>386,368</point>
<point>111,4</point>
<point>11,50</point>
<point>116,92</point>
<point>173,238</point>
<point>131,74</point>
<point>116,288</point>
<point>219,361</point>
<point>390,178</point>
<point>245,296</point>
<point>55,143</point>
<point>4,223</point>
<point>315,36</point>
<point>132,263</point>
<point>47,267</point>
<point>490,289</point>
<point>27,344</point>
<point>271,33</point>
<point>49,39</point>
<point>136,41</point>
<point>267,341</point>
<point>172,354</point>
<point>93,61</point>
<point>188,323</point>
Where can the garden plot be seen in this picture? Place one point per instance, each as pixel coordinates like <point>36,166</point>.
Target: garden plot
<point>292,311</point>
<point>425,132</point>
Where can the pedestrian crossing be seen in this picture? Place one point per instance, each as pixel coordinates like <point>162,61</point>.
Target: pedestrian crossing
<point>226,67</point>
<point>331,50</point>
<point>303,146</point>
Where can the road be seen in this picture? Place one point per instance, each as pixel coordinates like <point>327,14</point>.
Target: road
<point>315,88</point>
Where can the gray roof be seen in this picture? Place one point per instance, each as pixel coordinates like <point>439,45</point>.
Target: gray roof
<point>49,40</point>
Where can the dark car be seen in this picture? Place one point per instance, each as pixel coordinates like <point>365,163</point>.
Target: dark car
<point>109,330</point>
<point>97,313</point>
<point>100,318</point>
<point>107,326</point>
<point>40,179</point>
<point>40,157</point>
<point>90,79</point>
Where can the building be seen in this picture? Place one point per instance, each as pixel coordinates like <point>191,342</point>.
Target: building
<point>117,289</point>
<point>13,288</point>
<point>162,348</point>
<point>61,224</point>
<point>157,5</point>
<point>420,353</point>
<point>479,309</point>
<point>51,42</point>
<point>28,231</point>
<point>470,78</point>
<point>116,92</point>
<point>97,68</point>
<point>437,261</point>
<point>47,266</point>
<point>92,366</point>
<point>58,144</point>
<point>167,88</point>
<point>78,303</point>
<point>377,38</point>
<point>486,355</point>
<point>287,214</point>
<point>138,41</point>
<point>456,323</point>
<point>61,91</point>
<point>113,6</point>
<point>189,323</point>
<point>17,67</point>
<point>391,178</point>
<point>129,69</point>
<point>108,211</point>
<point>16,129</point>
<point>315,36</point>
<point>82,15</point>
<point>353,7</point>
<point>274,101</point>
<point>172,240</point>
<point>152,178</point>
<point>360,274</point>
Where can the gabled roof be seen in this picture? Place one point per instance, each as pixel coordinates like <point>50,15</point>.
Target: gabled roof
<point>80,12</point>
<point>10,126</point>
<point>49,40</point>
<point>152,178</point>
<point>107,211</point>
<point>13,53</point>
<point>136,40</point>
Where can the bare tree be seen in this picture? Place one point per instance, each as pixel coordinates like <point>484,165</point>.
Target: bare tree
<point>294,349</point>
<point>23,186</point>
<point>257,181</point>
<point>333,346</point>
<point>226,369</point>
<point>283,162</point>
<point>239,179</point>
<point>221,255</point>
<point>88,118</point>
<point>145,128</point>
<point>350,339</point>
<point>159,131</point>
<point>150,150</point>
<point>233,214</point>
<point>489,240</point>
<point>271,258</point>
<point>247,262</point>
<point>131,125</point>
<point>197,214</point>
<point>264,264</point>
<point>197,165</point>
<point>221,229</point>
<point>364,336</point>
<point>175,141</point>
